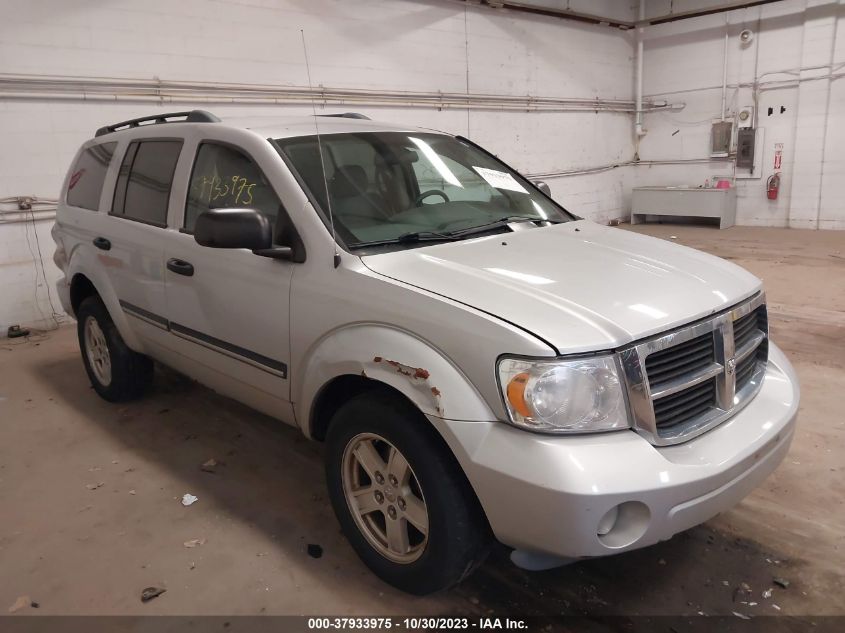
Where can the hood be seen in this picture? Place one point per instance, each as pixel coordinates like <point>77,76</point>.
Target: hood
<point>578,285</point>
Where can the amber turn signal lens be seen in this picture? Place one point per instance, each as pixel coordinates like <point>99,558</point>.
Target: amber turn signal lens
<point>516,394</point>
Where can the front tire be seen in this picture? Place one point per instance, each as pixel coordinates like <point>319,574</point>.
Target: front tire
<point>116,372</point>
<point>401,498</point>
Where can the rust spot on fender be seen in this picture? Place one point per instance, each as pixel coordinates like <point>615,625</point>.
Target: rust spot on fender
<point>418,378</point>
<point>405,370</point>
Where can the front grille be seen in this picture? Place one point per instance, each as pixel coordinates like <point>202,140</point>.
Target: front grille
<point>682,383</point>
<point>744,371</point>
<point>685,405</point>
<point>744,328</point>
<point>670,364</point>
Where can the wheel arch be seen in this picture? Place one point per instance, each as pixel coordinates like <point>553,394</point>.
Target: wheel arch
<point>80,289</point>
<point>86,282</point>
<point>358,358</point>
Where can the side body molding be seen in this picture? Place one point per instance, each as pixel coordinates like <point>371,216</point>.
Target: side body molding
<point>397,358</point>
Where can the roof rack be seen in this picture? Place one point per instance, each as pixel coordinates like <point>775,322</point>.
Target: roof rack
<point>194,116</point>
<point>348,115</point>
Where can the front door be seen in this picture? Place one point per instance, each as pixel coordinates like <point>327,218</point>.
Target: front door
<point>228,309</point>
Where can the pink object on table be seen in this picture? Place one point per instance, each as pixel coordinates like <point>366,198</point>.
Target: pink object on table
<point>723,184</point>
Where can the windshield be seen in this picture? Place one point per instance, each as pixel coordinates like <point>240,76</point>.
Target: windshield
<point>387,186</point>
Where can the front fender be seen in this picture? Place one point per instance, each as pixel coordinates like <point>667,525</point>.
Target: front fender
<point>397,358</point>
<point>82,260</point>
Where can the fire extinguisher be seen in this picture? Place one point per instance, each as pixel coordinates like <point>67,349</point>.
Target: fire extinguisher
<point>772,186</point>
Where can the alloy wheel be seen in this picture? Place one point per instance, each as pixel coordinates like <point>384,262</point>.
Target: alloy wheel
<point>385,498</point>
<point>97,351</point>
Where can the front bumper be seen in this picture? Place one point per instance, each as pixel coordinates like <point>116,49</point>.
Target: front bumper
<point>548,494</point>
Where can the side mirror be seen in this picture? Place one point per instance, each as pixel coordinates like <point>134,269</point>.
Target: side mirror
<point>238,228</point>
<point>543,186</point>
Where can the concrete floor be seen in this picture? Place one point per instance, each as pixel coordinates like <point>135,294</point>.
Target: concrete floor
<point>75,550</point>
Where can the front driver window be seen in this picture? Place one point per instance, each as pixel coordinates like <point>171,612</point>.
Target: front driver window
<point>224,177</point>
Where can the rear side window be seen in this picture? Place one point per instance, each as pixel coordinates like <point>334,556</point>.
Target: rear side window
<point>143,185</point>
<point>224,177</point>
<point>89,173</point>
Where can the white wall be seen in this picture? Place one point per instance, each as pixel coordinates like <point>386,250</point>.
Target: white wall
<point>381,44</point>
<point>684,61</point>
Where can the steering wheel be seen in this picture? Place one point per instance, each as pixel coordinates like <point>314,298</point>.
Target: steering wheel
<point>430,192</point>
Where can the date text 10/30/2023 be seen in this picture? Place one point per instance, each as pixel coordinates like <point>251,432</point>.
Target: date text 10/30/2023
<point>417,623</point>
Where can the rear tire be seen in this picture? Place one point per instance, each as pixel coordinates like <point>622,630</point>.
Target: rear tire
<point>116,372</point>
<point>421,531</point>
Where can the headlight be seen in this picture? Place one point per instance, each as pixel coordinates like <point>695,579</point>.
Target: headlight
<point>564,396</point>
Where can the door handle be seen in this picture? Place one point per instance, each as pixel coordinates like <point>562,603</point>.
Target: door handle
<point>180,267</point>
<point>102,243</point>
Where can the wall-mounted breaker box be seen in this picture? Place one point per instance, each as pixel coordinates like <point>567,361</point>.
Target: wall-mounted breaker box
<point>755,168</point>
<point>745,138</point>
<point>720,138</point>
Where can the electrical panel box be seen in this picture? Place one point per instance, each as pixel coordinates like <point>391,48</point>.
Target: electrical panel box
<point>745,148</point>
<point>720,138</point>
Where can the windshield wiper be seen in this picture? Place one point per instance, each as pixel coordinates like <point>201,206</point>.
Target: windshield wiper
<point>451,236</point>
<point>410,238</point>
<point>423,236</point>
<point>489,226</point>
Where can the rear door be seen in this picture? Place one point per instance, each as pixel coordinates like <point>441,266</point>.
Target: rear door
<point>131,243</point>
<point>228,308</point>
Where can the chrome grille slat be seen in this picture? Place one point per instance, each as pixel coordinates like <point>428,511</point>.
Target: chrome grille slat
<point>748,347</point>
<point>682,382</point>
<point>685,382</point>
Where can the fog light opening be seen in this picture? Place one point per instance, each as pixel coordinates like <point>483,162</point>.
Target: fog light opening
<point>624,524</point>
<point>608,521</point>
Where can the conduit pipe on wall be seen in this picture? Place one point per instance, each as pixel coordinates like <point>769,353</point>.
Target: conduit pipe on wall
<point>638,124</point>
<point>42,87</point>
<point>626,163</point>
<point>27,209</point>
<point>725,72</point>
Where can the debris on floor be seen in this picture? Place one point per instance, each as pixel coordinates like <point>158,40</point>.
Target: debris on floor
<point>314,550</point>
<point>20,603</point>
<point>743,590</point>
<point>768,593</point>
<point>210,466</point>
<point>741,615</point>
<point>189,499</point>
<point>151,592</point>
<point>781,582</point>
<point>95,486</point>
<point>194,542</point>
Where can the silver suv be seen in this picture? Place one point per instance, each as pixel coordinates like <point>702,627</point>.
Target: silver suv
<point>480,362</point>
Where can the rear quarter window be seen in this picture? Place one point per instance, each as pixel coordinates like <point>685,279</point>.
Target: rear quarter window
<point>89,173</point>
